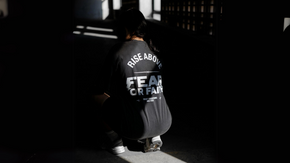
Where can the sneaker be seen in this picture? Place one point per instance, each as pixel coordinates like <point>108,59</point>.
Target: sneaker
<point>116,146</point>
<point>152,144</point>
<point>118,150</point>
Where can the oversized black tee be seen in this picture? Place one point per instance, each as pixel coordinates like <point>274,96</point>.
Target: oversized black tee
<point>133,78</point>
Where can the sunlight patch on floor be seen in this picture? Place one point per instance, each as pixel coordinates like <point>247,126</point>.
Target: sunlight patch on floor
<point>100,35</point>
<point>156,157</point>
<point>84,31</point>
<point>99,29</point>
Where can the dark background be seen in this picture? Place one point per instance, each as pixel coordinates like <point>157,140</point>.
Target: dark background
<point>244,69</point>
<point>37,90</point>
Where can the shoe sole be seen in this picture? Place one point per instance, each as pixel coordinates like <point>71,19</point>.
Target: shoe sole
<point>154,146</point>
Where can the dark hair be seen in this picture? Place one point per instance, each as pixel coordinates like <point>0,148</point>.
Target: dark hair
<point>134,21</point>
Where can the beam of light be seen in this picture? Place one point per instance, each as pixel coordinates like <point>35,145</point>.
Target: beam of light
<point>80,27</point>
<point>286,22</point>
<point>117,4</point>
<point>158,157</point>
<point>157,5</point>
<point>145,6</point>
<point>157,17</point>
<point>99,29</point>
<point>77,32</point>
<point>100,35</point>
<point>105,9</point>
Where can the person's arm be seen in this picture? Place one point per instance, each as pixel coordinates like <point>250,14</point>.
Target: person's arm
<point>106,77</point>
<point>100,99</point>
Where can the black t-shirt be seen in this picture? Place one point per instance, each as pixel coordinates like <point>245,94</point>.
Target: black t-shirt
<point>133,78</point>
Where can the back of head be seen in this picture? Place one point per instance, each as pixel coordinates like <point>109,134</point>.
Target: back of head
<point>134,21</point>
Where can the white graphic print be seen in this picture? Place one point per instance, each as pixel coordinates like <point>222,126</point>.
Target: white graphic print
<point>144,86</point>
<point>138,57</point>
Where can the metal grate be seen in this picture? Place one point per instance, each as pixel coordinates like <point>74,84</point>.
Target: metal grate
<point>194,15</point>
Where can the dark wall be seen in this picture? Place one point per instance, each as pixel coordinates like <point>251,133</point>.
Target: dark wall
<point>36,72</point>
<point>90,9</point>
<point>189,63</point>
<point>251,68</point>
